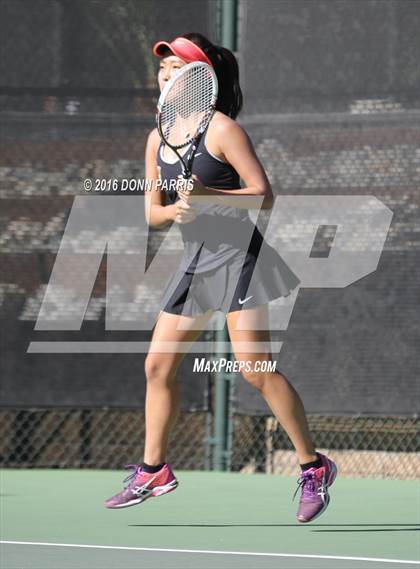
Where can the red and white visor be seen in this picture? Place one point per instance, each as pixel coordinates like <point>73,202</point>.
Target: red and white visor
<point>183,48</point>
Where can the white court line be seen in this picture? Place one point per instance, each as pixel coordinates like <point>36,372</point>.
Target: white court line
<point>207,552</point>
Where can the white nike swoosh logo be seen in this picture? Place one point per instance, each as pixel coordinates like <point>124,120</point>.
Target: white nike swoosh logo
<point>245,299</point>
<point>198,154</point>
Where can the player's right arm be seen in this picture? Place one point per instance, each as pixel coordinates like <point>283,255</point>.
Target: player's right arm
<point>158,214</point>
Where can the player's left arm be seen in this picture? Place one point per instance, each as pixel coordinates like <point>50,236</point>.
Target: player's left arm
<point>235,148</point>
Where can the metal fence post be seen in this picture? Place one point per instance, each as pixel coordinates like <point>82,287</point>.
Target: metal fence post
<point>228,21</point>
<point>223,381</point>
<point>220,406</point>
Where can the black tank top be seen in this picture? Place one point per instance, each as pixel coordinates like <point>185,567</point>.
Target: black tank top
<point>217,234</point>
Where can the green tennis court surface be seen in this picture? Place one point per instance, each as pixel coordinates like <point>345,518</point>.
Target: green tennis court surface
<point>211,520</point>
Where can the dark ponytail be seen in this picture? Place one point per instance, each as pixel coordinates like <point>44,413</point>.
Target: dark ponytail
<point>229,100</point>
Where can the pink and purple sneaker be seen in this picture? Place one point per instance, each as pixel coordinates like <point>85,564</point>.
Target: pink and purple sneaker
<point>314,484</point>
<point>142,485</point>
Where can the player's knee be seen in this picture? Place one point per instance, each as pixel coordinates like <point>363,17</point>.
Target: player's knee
<point>255,379</point>
<point>155,370</point>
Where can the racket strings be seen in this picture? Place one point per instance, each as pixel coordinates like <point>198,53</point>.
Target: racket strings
<point>187,107</point>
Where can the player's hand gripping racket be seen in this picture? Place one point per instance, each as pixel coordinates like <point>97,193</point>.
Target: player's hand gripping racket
<point>185,108</point>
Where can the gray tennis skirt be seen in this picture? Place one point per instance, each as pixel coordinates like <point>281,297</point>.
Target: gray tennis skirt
<point>230,287</point>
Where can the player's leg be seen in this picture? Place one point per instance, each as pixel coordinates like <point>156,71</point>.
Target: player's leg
<point>246,328</point>
<point>172,337</point>
<point>279,394</point>
<point>162,401</point>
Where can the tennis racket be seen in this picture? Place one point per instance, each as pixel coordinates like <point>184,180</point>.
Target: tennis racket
<point>185,108</point>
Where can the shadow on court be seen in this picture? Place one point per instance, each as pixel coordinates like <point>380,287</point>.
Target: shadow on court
<point>371,527</point>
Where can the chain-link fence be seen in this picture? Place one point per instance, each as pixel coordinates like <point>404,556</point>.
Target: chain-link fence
<point>386,447</point>
<point>109,438</point>
<point>95,438</point>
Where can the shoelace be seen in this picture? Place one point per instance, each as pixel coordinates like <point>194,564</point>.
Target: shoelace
<point>305,481</point>
<point>133,474</point>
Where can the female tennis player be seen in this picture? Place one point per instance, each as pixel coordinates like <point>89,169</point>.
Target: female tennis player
<point>215,274</point>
